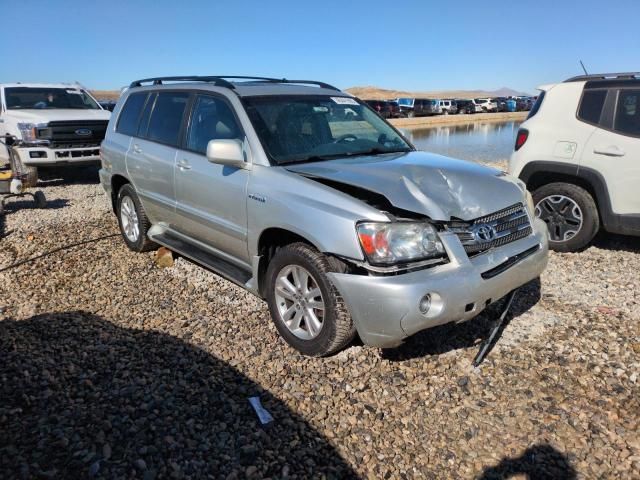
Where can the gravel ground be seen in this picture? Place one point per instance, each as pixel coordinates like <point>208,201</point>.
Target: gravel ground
<point>111,367</point>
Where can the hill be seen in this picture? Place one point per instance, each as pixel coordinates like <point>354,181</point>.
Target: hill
<point>376,93</point>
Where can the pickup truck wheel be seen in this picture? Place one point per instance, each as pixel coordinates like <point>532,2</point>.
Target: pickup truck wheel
<point>32,177</point>
<point>133,222</point>
<point>305,306</point>
<point>570,213</point>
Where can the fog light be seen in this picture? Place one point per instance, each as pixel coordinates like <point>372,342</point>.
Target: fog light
<point>425,304</point>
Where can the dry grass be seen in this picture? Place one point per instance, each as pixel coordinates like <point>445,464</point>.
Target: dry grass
<point>375,93</point>
<point>106,94</point>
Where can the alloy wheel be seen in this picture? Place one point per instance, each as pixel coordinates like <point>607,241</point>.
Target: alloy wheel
<point>562,215</point>
<point>129,219</point>
<point>299,301</point>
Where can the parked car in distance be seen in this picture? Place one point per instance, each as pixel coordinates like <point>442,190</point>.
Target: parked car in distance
<point>418,107</point>
<point>385,108</point>
<point>448,106</point>
<point>108,104</point>
<point>501,104</point>
<point>335,220</point>
<point>486,104</point>
<point>465,106</point>
<point>523,104</point>
<point>578,152</point>
<point>57,123</point>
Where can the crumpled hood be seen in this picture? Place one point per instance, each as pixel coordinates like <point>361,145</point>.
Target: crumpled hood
<point>44,116</point>
<point>436,186</point>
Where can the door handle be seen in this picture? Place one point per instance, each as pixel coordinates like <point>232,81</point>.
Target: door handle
<point>184,165</point>
<point>137,149</point>
<point>610,151</point>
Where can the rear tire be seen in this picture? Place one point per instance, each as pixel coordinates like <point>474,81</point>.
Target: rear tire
<point>570,213</point>
<point>133,221</point>
<point>32,177</point>
<point>336,330</point>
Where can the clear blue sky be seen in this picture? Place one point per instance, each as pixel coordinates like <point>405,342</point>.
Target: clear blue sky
<point>414,45</point>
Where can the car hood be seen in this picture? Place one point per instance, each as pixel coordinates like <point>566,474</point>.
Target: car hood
<point>43,116</point>
<point>439,187</point>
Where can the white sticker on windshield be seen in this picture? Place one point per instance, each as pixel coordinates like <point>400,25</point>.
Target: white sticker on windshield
<point>75,92</point>
<point>344,101</point>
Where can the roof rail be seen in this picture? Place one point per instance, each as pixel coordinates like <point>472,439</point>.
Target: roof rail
<point>194,78</point>
<point>221,81</point>
<point>605,76</point>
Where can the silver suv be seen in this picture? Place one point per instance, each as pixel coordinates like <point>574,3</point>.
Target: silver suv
<point>303,195</point>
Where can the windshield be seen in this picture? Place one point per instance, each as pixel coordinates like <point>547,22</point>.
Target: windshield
<point>405,102</point>
<point>296,129</point>
<point>48,98</point>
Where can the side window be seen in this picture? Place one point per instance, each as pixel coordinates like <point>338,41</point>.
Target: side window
<point>130,114</point>
<point>627,119</point>
<point>143,125</point>
<point>212,119</point>
<point>166,117</point>
<point>591,105</point>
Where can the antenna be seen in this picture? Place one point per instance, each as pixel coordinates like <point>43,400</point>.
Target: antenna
<point>582,65</point>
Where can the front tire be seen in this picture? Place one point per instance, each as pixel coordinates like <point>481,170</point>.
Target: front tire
<point>305,306</point>
<point>133,221</point>
<point>570,213</point>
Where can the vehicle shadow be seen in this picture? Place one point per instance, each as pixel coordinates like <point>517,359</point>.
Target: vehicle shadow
<point>53,177</point>
<point>609,241</point>
<point>539,462</point>
<point>14,204</point>
<point>81,397</point>
<point>452,336</point>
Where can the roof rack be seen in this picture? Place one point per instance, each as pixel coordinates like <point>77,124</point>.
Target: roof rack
<point>221,81</point>
<point>194,78</point>
<point>605,76</point>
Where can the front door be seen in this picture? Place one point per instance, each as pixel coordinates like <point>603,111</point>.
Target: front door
<point>615,151</point>
<point>211,198</point>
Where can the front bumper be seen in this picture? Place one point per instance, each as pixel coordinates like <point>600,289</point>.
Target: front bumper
<point>41,156</point>
<point>385,308</point>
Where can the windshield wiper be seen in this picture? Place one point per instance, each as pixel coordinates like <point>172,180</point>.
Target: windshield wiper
<point>376,151</point>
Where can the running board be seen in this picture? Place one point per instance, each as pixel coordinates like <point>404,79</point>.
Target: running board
<point>211,262</point>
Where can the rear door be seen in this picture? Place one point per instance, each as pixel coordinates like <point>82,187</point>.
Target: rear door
<point>614,149</point>
<point>211,198</point>
<point>152,154</point>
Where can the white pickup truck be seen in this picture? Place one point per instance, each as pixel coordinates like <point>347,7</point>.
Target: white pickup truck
<point>59,124</point>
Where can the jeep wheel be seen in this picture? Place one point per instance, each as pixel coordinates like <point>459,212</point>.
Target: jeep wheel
<point>570,213</point>
<point>305,306</point>
<point>133,222</point>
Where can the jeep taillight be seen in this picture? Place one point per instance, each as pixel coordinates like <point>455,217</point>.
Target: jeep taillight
<point>521,138</point>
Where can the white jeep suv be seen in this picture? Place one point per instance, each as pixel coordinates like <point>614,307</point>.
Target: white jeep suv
<point>59,124</point>
<point>579,154</point>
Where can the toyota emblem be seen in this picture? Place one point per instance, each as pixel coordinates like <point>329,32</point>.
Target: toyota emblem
<point>483,233</point>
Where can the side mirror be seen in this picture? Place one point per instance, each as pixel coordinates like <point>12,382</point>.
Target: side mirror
<point>226,152</point>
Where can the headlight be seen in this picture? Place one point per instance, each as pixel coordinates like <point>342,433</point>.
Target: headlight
<point>530,205</point>
<point>27,132</point>
<point>389,243</point>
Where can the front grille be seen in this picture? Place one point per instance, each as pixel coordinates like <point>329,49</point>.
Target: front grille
<point>68,134</point>
<point>503,227</point>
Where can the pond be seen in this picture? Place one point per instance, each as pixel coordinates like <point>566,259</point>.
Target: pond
<point>477,141</point>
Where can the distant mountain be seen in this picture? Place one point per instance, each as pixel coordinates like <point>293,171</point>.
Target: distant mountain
<point>376,93</point>
<point>508,92</point>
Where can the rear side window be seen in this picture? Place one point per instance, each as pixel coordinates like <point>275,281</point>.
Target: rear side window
<point>166,118</point>
<point>130,114</point>
<point>591,105</point>
<point>536,106</point>
<point>627,119</point>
